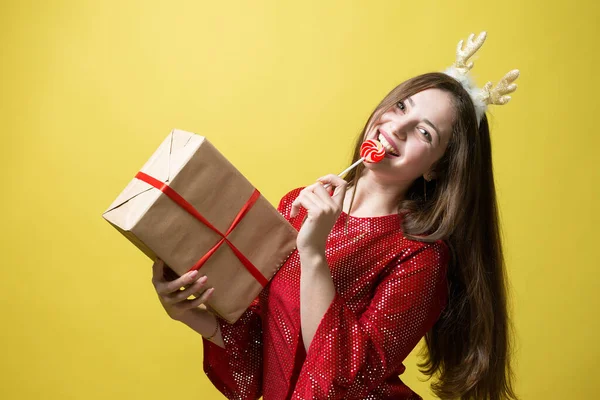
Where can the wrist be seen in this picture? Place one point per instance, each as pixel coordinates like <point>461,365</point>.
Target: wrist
<point>194,315</point>
<point>212,335</point>
<point>312,256</point>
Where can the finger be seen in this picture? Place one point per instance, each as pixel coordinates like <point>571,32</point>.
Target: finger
<point>311,188</point>
<point>181,295</point>
<point>325,196</point>
<point>295,207</point>
<point>165,288</point>
<point>157,270</point>
<point>329,188</point>
<point>197,291</point>
<point>338,183</point>
<point>322,205</point>
<point>324,190</point>
<point>315,206</point>
<point>169,274</point>
<point>297,204</point>
<point>189,304</point>
<point>305,202</point>
<point>161,272</point>
<point>333,180</point>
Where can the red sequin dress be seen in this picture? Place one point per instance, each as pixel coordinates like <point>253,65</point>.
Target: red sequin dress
<point>389,292</point>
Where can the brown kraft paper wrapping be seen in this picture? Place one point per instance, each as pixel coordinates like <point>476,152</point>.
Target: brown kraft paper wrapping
<point>159,227</point>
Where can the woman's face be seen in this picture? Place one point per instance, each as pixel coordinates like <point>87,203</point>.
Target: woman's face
<point>415,133</point>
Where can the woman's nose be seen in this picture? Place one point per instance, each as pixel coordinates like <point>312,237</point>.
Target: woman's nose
<point>398,130</point>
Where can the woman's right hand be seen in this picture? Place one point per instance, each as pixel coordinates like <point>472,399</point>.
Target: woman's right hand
<point>173,299</point>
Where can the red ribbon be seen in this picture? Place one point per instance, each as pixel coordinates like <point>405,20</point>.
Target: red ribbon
<point>177,198</point>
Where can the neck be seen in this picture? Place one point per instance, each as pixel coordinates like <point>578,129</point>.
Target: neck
<point>374,198</point>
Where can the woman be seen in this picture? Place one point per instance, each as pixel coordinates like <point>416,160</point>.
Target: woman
<point>400,249</point>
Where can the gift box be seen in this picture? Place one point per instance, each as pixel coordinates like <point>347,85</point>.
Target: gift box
<point>192,208</point>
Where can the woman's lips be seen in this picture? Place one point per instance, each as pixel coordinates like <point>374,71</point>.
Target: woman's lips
<point>389,141</point>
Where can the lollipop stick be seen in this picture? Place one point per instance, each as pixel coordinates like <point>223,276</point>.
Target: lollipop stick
<point>371,150</point>
<point>344,172</point>
<point>350,168</point>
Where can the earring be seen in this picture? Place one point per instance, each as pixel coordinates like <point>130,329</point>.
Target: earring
<point>426,178</point>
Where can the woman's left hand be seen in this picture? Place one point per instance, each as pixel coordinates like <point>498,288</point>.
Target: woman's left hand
<point>324,206</point>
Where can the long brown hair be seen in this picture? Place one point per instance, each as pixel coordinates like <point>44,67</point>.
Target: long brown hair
<point>468,350</point>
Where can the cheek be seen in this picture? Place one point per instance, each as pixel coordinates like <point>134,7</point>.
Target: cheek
<point>418,155</point>
<point>369,132</point>
<point>416,148</point>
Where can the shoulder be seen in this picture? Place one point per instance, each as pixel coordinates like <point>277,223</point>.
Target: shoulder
<point>418,256</point>
<point>412,247</point>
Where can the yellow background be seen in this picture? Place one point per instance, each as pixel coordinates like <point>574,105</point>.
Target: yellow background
<point>89,89</point>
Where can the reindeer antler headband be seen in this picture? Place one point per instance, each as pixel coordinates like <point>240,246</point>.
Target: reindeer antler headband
<point>481,96</point>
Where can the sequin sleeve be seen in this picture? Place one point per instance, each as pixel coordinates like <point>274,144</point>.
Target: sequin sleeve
<point>351,355</point>
<point>236,370</point>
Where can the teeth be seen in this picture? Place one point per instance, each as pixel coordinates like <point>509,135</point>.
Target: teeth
<point>387,145</point>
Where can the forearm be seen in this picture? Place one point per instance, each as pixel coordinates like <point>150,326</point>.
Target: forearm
<point>204,323</point>
<point>317,291</point>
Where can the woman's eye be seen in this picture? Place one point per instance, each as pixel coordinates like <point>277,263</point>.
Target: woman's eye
<point>426,134</point>
<point>401,105</point>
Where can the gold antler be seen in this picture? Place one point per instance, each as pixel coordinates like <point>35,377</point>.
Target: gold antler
<point>498,95</point>
<point>462,56</point>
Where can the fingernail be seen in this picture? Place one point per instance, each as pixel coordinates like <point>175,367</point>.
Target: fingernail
<point>203,279</point>
<point>193,273</point>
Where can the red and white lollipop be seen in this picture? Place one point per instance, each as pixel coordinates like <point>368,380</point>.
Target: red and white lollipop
<point>371,151</point>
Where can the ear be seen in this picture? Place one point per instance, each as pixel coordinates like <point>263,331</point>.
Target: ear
<point>429,176</point>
